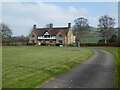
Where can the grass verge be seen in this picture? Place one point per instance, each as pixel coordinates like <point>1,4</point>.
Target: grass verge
<point>30,66</point>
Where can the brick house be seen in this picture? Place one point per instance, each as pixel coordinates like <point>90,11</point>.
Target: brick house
<point>52,35</point>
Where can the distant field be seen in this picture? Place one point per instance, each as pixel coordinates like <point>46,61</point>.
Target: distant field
<point>92,40</point>
<point>30,66</point>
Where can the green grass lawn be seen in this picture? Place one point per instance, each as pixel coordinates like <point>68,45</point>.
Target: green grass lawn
<point>30,66</point>
<point>92,40</point>
<point>114,51</point>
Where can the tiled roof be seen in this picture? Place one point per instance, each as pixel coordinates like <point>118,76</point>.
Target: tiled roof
<point>51,31</point>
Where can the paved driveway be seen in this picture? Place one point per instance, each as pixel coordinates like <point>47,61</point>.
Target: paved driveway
<point>96,72</point>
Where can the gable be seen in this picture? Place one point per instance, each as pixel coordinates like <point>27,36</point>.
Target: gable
<point>61,33</point>
<point>46,33</point>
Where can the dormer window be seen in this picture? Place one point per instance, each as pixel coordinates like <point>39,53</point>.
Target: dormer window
<point>46,35</point>
<point>33,35</point>
<point>60,35</point>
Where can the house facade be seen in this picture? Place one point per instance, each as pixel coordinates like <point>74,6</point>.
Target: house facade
<point>52,35</point>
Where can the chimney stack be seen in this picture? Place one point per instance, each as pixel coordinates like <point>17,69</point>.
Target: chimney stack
<point>51,25</point>
<point>34,26</point>
<point>69,25</point>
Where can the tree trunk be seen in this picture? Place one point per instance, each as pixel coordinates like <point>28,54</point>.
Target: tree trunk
<point>79,44</point>
<point>105,40</point>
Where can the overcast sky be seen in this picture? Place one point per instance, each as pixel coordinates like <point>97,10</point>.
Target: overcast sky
<point>20,16</point>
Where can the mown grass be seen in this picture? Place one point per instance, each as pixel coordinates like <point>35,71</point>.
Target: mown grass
<point>30,66</point>
<point>114,51</point>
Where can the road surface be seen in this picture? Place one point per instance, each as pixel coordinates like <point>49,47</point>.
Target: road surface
<point>96,72</point>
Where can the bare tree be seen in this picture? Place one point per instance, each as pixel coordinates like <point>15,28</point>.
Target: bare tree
<point>5,31</point>
<point>81,29</point>
<point>106,26</point>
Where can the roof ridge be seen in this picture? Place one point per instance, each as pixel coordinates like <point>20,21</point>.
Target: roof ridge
<point>52,31</point>
<point>53,28</point>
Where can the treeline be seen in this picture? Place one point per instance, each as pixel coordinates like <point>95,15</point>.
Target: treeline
<point>15,41</point>
<point>8,40</point>
<point>105,29</point>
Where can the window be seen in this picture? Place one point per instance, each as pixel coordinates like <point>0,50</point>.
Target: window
<point>33,35</point>
<point>33,41</point>
<point>46,36</point>
<point>60,41</point>
<point>51,41</point>
<point>60,35</point>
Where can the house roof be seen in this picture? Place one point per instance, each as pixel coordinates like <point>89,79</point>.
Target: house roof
<point>51,31</point>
